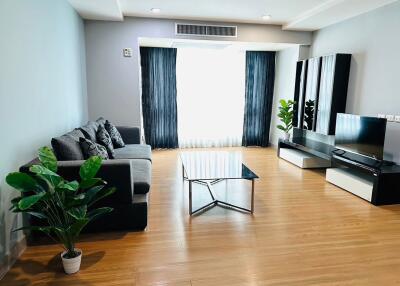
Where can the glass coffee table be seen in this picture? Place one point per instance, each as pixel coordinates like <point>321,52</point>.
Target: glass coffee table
<point>211,167</point>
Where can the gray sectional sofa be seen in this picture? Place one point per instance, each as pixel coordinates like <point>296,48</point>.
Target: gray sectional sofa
<point>129,172</point>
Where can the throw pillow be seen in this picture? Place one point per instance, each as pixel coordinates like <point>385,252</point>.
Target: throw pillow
<point>89,130</point>
<point>90,149</point>
<point>66,147</point>
<point>114,134</point>
<point>101,121</point>
<point>104,139</point>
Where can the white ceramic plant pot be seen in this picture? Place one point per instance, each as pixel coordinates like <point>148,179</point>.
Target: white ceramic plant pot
<point>286,136</point>
<point>72,265</point>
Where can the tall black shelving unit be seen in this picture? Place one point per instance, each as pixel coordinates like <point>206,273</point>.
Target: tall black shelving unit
<point>321,92</point>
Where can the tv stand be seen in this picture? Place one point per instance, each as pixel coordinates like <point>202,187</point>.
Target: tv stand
<point>373,163</point>
<point>387,163</point>
<point>305,153</point>
<point>376,183</point>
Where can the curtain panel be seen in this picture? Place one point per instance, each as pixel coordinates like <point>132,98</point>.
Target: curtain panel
<point>260,77</point>
<point>159,106</point>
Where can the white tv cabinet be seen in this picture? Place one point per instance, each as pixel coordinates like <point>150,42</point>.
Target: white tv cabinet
<point>303,159</point>
<point>305,153</point>
<point>352,181</point>
<point>378,184</point>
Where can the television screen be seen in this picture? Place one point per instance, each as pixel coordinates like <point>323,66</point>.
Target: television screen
<point>361,135</point>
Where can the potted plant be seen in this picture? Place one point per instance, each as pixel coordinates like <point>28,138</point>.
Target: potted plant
<point>309,114</point>
<point>63,208</point>
<point>286,116</point>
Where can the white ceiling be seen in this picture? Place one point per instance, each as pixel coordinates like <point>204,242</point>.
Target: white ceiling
<point>308,15</point>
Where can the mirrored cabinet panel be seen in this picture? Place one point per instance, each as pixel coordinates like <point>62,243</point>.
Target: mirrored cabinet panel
<point>300,88</point>
<point>321,92</point>
<point>311,94</point>
<point>325,94</point>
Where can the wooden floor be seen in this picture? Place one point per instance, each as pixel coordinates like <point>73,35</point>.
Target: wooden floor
<point>304,232</point>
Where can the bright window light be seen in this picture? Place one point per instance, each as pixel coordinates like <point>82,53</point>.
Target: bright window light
<point>210,97</point>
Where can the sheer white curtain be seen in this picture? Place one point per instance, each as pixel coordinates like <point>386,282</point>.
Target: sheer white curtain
<point>210,97</point>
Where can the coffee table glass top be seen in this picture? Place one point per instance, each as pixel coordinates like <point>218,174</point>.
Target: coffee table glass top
<point>213,165</point>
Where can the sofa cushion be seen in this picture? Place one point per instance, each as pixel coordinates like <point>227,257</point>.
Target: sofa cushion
<point>115,135</point>
<point>90,148</point>
<point>76,134</point>
<point>101,121</point>
<point>90,130</point>
<point>104,139</point>
<point>130,135</point>
<point>133,151</point>
<point>141,175</point>
<point>66,147</point>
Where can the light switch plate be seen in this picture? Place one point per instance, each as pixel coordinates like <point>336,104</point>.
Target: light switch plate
<point>128,52</point>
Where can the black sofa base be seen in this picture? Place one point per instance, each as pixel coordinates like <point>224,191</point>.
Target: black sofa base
<point>127,217</point>
<point>123,217</point>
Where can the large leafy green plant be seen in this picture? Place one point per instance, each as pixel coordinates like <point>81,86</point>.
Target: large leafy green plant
<point>62,207</point>
<point>286,115</point>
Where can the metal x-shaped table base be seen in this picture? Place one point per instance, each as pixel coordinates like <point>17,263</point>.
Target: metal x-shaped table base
<point>216,202</point>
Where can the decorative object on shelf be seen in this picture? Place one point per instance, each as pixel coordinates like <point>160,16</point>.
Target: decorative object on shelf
<point>63,207</point>
<point>286,116</point>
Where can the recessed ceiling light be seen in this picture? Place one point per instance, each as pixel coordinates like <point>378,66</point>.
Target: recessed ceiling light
<point>155,10</point>
<point>266,17</point>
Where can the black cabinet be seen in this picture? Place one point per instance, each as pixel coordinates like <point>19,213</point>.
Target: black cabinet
<point>321,92</point>
<point>299,90</point>
<point>384,178</point>
<point>311,94</point>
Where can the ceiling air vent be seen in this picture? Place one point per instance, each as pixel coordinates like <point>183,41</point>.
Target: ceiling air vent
<point>205,30</point>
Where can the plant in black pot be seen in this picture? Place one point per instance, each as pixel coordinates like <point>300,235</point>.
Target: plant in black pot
<point>63,208</point>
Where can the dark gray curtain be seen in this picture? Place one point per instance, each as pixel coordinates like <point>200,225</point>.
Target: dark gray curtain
<point>159,97</point>
<point>260,77</point>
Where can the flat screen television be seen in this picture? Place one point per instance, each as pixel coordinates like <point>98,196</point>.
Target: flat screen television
<point>361,135</point>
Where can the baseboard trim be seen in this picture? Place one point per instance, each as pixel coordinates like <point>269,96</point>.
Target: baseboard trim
<point>9,260</point>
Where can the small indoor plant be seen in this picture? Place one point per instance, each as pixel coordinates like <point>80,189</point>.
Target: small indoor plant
<point>309,114</point>
<point>286,116</point>
<point>63,208</point>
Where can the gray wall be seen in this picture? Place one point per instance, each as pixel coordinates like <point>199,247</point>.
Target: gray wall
<point>374,41</point>
<point>42,88</point>
<point>285,76</point>
<point>113,81</point>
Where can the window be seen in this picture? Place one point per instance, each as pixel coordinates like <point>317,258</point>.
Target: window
<point>210,97</point>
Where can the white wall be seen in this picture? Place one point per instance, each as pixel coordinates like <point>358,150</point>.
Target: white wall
<point>285,77</point>
<point>374,86</point>
<point>42,88</point>
<point>113,81</point>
